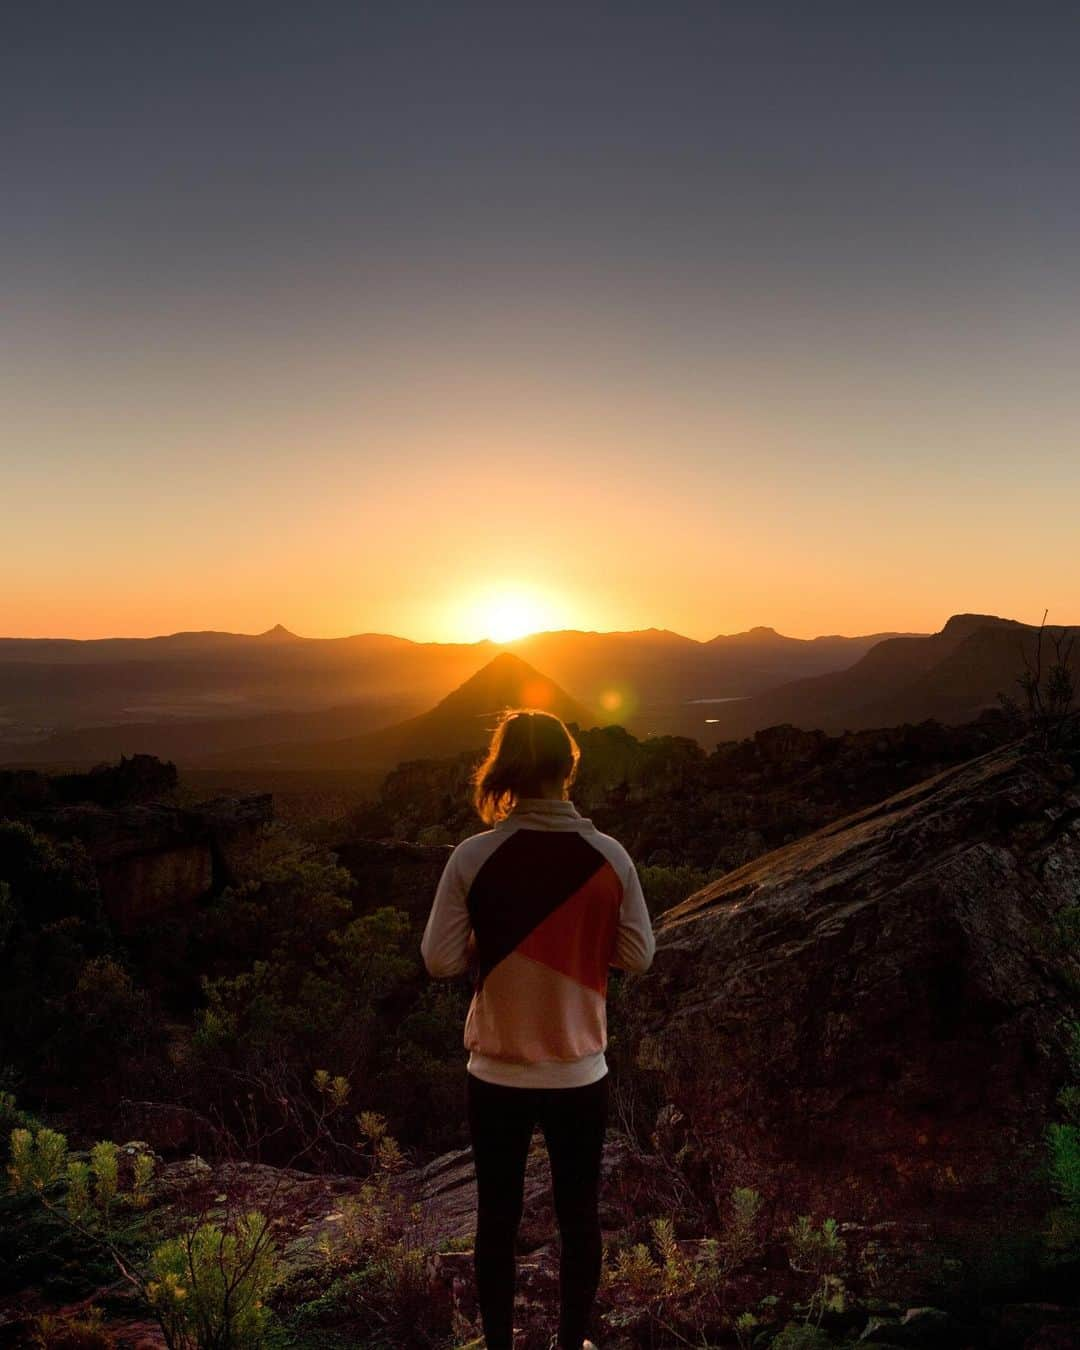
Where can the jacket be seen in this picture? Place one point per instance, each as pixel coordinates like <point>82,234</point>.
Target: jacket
<point>537,909</point>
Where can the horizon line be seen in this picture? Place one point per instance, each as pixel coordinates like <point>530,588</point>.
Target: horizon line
<point>280,633</point>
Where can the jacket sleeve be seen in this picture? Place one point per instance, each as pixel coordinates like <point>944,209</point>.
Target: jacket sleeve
<point>444,944</point>
<point>634,941</point>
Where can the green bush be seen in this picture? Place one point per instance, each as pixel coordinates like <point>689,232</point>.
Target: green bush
<point>208,1287</point>
<point>819,1253</point>
<point>801,1336</point>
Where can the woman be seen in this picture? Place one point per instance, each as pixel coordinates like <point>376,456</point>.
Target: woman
<point>536,908</point>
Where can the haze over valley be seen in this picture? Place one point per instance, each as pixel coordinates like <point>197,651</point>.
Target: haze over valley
<point>277,700</point>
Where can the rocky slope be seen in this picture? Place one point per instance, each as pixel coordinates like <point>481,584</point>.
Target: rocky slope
<point>869,1022</point>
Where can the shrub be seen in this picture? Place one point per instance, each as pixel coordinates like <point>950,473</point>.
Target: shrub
<point>1048,685</point>
<point>208,1287</point>
<point>739,1241</point>
<point>645,1280</point>
<point>801,1336</point>
<point>87,1332</point>
<point>386,1251</point>
<point>819,1253</point>
<point>37,1159</point>
<point>12,1118</point>
<point>1063,1148</point>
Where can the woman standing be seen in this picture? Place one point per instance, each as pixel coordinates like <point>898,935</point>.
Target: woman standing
<point>536,908</point>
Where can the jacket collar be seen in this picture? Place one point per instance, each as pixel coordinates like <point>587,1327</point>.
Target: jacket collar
<point>543,813</point>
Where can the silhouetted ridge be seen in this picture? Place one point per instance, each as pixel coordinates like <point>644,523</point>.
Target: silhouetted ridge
<point>963,625</point>
<point>950,676</point>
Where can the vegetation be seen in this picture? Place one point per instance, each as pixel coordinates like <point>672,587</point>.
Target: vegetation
<point>207,1287</point>
<point>67,1005</point>
<point>1047,686</point>
<point>691,1291</point>
<point>302,1031</point>
<point>819,1253</point>
<point>1063,1143</point>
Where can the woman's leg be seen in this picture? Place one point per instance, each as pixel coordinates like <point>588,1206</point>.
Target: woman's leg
<point>501,1123</point>
<point>574,1121</point>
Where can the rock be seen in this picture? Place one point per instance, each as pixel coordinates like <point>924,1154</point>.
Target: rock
<point>153,856</point>
<point>931,1328</point>
<point>166,1127</point>
<point>876,1325</point>
<point>868,1023</point>
<point>1040,1326</point>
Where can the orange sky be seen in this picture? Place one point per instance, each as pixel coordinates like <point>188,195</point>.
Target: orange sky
<point>341,320</point>
<point>336,497</point>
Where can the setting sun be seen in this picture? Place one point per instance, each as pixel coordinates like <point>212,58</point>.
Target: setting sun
<point>508,612</point>
<point>512,618</point>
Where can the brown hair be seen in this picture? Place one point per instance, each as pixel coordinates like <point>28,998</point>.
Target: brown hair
<point>529,750</point>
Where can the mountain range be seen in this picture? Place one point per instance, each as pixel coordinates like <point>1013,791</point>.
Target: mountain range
<point>191,695</point>
<point>223,699</point>
<point>950,676</point>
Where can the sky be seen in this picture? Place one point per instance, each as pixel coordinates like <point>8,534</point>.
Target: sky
<point>408,317</point>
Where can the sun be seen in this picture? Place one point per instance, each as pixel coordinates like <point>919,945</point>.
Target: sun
<point>504,613</point>
<point>512,616</point>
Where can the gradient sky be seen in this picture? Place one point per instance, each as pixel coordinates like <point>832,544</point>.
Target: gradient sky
<point>353,316</point>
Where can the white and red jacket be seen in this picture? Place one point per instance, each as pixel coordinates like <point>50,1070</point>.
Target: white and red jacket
<point>550,903</point>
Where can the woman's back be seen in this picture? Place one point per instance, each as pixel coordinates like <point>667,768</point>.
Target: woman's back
<point>552,903</point>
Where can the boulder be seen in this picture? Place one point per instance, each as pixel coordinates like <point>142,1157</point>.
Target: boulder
<point>870,1022</point>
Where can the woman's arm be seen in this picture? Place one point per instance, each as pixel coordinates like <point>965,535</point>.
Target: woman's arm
<point>634,942</point>
<point>445,944</point>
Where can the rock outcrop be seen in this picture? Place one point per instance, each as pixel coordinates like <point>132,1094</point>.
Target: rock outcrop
<point>154,857</point>
<point>151,855</point>
<point>870,1022</point>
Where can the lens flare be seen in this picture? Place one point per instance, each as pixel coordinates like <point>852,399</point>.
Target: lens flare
<point>617,702</point>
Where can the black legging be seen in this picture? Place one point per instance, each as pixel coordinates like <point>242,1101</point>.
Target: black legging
<point>501,1121</point>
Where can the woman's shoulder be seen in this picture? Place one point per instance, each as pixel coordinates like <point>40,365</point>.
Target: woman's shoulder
<point>612,849</point>
<point>474,848</point>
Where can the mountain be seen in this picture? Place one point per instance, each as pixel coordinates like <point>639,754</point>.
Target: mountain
<point>784,658</point>
<point>279,633</point>
<point>197,695</point>
<point>951,675</point>
<point>646,679</point>
<point>463,720</point>
<point>226,698</point>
